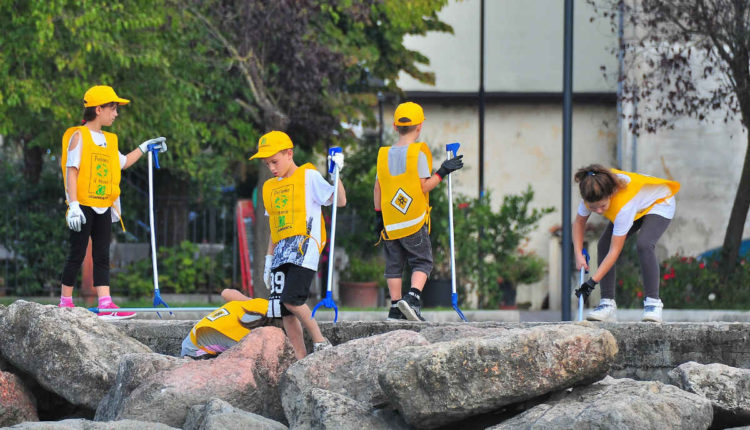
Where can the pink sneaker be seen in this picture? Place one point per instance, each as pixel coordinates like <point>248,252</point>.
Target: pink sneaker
<point>114,315</point>
<point>66,305</point>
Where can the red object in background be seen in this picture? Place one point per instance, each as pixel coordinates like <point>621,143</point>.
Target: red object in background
<point>244,211</point>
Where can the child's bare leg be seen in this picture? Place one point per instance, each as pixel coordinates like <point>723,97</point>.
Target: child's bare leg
<point>293,331</point>
<point>418,279</point>
<point>304,315</point>
<point>232,295</point>
<point>394,288</point>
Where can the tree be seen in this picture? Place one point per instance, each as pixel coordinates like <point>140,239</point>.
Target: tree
<point>308,65</point>
<point>695,59</point>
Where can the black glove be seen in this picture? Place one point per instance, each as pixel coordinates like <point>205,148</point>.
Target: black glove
<point>449,166</point>
<point>586,288</point>
<point>379,225</point>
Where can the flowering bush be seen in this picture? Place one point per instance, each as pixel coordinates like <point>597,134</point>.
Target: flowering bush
<point>688,283</point>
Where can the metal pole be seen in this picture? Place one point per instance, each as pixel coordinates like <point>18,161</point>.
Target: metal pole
<point>634,154</point>
<point>481,100</point>
<point>566,167</point>
<point>381,97</point>
<point>620,77</point>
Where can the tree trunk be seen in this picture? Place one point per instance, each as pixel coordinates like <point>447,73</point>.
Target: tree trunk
<point>736,226</point>
<point>32,163</point>
<point>261,236</point>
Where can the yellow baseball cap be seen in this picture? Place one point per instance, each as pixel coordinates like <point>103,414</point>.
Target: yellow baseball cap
<point>101,95</point>
<point>408,113</point>
<point>271,143</point>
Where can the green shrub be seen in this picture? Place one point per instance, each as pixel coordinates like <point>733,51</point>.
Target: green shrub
<point>364,270</point>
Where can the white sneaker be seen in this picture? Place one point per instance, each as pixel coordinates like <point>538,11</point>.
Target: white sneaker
<point>606,311</point>
<point>652,310</point>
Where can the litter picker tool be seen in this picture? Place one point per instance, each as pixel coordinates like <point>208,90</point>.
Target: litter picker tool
<point>583,291</point>
<point>328,300</point>
<point>157,310</point>
<point>452,150</point>
<point>153,160</point>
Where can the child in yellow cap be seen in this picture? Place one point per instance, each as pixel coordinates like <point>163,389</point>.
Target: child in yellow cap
<point>91,163</point>
<point>293,200</point>
<point>402,207</point>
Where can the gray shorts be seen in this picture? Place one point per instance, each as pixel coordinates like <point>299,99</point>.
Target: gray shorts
<point>416,249</point>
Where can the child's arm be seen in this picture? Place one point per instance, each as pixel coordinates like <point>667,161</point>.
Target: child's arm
<point>450,165</point>
<point>376,195</point>
<point>132,157</point>
<point>341,198</point>
<point>72,183</point>
<point>428,184</point>
<point>135,154</point>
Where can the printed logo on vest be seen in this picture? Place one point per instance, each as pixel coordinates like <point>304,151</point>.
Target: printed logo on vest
<point>401,201</point>
<point>217,314</point>
<point>281,198</point>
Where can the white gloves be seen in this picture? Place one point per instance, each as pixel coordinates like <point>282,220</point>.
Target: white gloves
<point>159,140</point>
<point>337,159</point>
<point>75,216</point>
<point>267,272</point>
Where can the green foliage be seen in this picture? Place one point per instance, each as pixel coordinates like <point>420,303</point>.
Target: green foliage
<point>32,226</point>
<point>364,270</point>
<point>182,270</point>
<point>498,235</point>
<point>688,283</point>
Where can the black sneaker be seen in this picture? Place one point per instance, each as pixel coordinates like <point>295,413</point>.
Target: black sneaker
<point>410,307</point>
<point>394,314</point>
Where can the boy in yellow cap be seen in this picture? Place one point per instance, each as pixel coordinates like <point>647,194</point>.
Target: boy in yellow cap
<point>91,163</point>
<point>402,207</point>
<point>293,200</point>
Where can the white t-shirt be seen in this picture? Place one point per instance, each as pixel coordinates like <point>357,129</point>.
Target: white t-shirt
<point>645,197</point>
<point>318,192</point>
<point>74,160</point>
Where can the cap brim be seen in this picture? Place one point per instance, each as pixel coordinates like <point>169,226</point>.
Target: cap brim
<point>122,101</point>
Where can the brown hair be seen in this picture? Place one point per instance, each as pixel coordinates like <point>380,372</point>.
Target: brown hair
<point>89,113</point>
<point>405,129</point>
<point>596,182</point>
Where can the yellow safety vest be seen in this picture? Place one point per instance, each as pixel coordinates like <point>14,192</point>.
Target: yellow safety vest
<point>405,207</point>
<point>637,181</point>
<point>285,203</point>
<point>99,172</point>
<point>233,320</point>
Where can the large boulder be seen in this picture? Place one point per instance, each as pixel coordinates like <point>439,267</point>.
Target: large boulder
<point>728,389</point>
<point>448,381</point>
<point>618,404</point>
<point>69,351</point>
<point>132,371</point>
<point>220,415</point>
<point>17,404</point>
<point>81,424</point>
<point>336,411</point>
<point>350,369</point>
<point>246,376</point>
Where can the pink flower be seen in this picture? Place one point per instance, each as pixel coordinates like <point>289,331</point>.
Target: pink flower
<point>702,266</point>
<point>639,294</point>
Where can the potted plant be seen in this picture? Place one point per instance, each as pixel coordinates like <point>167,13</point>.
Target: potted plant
<point>360,282</point>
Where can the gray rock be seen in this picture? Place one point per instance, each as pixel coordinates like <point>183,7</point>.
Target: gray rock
<point>69,351</point>
<point>336,411</point>
<point>728,389</point>
<point>617,403</point>
<point>132,371</point>
<point>246,376</point>
<point>448,333</point>
<point>162,336</point>
<point>17,404</point>
<point>220,415</point>
<point>448,381</point>
<point>350,369</point>
<point>81,424</point>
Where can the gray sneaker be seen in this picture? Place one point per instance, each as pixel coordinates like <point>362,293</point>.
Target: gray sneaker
<point>319,346</point>
<point>411,307</point>
<point>395,314</point>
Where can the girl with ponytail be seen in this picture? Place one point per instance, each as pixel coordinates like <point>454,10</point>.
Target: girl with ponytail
<point>634,204</point>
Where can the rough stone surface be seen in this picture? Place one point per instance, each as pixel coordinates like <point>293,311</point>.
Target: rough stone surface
<point>68,351</point>
<point>162,336</point>
<point>336,411</point>
<point>246,376</point>
<point>132,371</point>
<point>17,404</point>
<point>350,369</point>
<point>727,388</point>
<point>81,424</point>
<point>448,381</point>
<point>220,415</point>
<point>617,403</point>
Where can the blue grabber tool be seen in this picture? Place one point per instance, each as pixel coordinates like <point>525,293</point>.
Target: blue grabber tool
<point>582,292</point>
<point>452,150</point>
<point>153,149</point>
<point>328,300</point>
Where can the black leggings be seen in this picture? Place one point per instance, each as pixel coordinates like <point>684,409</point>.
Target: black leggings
<point>651,228</point>
<point>99,228</point>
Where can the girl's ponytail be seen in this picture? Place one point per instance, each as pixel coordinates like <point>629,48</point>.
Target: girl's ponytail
<point>596,183</point>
